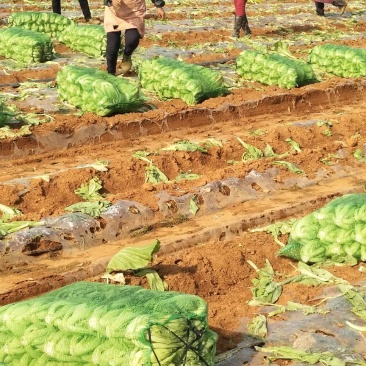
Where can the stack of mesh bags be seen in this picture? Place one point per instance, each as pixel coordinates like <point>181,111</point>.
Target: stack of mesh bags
<point>97,91</point>
<point>334,232</point>
<point>24,45</point>
<point>5,113</point>
<point>45,22</point>
<point>274,69</point>
<point>170,78</point>
<point>339,60</point>
<point>88,39</point>
<point>101,324</point>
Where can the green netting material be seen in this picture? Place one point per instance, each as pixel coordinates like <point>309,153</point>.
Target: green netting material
<point>274,69</point>
<point>89,39</point>
<point>45,22</point>
<point>335,231</point>
<point>5,114</point>
<point>25,45</point>
<point>97,91</point>
<point>339,60</point>
<point>98,324</point>
<point>171,78</point>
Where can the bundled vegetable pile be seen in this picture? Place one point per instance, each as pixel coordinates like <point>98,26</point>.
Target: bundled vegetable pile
<point>97,91</point>
<point>90,323</point>
<point>45,22</point>
<point>274,69</point>
<point>339,60</point>
<point>89,39</point>
<point>337,231</point>
<point>25,45</point>
<point>5,113</point>
<point>171,78</point>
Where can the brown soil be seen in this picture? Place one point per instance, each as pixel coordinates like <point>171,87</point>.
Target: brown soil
<point>206,254</point>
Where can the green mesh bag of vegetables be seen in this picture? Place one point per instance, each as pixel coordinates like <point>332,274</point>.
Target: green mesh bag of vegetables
<point>171,78</point>
<point>90,323</point>
<point>24,45</point>
<point>5,114</point>
<point>89,39</point>
<point>274,69</point>
<point>45,22</point>
<point>336,231</point>
<point>339,60</point>
<point>97,91</point>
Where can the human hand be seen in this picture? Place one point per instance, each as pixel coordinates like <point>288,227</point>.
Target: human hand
<point>161,13</point>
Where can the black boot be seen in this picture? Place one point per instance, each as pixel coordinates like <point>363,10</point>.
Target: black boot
<point>237,26</point>
<point>245,26</point>
<point>319,7</point>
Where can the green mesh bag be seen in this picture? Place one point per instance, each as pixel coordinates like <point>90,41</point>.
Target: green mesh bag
<point>274,69</point>
<point>97,91</point>
<point>88,39</point>
<point>24,45</point>
<point>45,22</point>
<point>336,231</point>
<point>339,60</point>
<point>5,114</point>
<point>90,323</point>
<point>171,78</point>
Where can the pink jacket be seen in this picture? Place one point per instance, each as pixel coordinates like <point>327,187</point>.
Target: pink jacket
<point>125,14</point>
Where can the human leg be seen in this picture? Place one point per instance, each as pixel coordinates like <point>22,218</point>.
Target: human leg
<point>56,6</point>
<point>241,20</point>
<point>132,40</point>
<point>113,44</point>
<point>319,8</point>
<point>84,5</point>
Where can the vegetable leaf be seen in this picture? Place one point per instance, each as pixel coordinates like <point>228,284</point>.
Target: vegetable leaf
<point>132,258</point>
<point>193,207</point>
<point>93,208</point>
<point>258,326</point>
<point>289,353</point>
<point>185,145</point>
<point>295,145</point>
<point>153,278</point>
<point>276,229</point>
<point>289,166</point>
<point>11,227</point>
<point>265,290</point>
<point>252,153</point>
<point>8,213</point>
<point>89,191</point>
<point>359,155</point>
<point>187,176</point>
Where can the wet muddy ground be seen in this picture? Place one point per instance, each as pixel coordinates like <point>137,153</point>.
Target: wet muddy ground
<point>204,253</point>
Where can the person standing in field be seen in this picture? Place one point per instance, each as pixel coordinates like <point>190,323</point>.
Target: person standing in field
<point>84,5</point>
<point>127,16</point>
<point>241,20</point>
<point>319,5</point>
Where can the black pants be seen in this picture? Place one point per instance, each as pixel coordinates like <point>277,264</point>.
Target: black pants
<point>319,8</point>
<point>132,40</point>
<point>84,5</point>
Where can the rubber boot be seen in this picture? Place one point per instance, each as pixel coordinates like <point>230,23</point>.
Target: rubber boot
<point>237,26</point>
<point>126,64</point>
<point>319,8</point>
<point>245,26</point>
